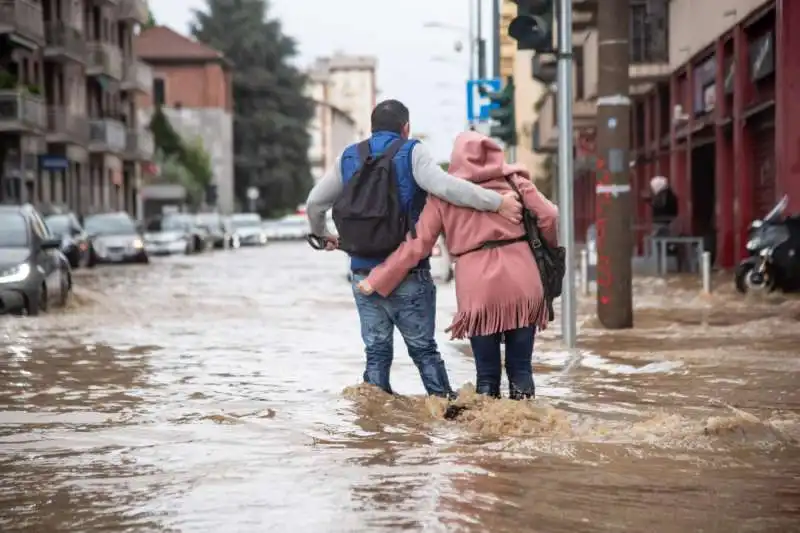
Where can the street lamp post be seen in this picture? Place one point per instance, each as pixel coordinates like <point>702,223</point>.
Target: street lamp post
<point>468,33</point>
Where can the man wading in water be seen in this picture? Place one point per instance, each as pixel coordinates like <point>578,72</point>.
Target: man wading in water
<point>377,189</point>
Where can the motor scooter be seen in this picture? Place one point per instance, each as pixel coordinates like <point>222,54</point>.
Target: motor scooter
<point>774,253</point>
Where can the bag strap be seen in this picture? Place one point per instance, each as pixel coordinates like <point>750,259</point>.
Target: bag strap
<point>533,227</point>
<point>393,148</point>
<point>364,151</point>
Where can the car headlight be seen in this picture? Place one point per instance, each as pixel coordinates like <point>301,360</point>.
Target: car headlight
<point>15,274</point>
<point>138,244</point>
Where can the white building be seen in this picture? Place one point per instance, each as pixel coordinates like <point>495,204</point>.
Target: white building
<point>351,86</point>
<point>344,90</point>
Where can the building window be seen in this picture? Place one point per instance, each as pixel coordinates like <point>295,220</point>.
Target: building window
<point>159,92</point>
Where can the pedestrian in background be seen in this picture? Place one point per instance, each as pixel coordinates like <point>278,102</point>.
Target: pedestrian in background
<point>664,205</point>
<point>391,164</point>
<point>498,285</point>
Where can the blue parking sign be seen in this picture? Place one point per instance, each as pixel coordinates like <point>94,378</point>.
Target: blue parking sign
<point>478,106</point>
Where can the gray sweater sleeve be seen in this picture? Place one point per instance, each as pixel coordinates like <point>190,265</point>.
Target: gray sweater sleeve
<point>430,177</point>
<point>321,198</point>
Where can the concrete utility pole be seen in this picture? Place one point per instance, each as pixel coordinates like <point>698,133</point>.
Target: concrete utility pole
<point>613,194</point>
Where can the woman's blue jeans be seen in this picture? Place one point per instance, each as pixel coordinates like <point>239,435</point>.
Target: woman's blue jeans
<point>519,353</point>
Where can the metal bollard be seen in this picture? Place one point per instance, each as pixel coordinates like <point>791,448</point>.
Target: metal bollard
<point>585,272</point>
<point>705,269</point>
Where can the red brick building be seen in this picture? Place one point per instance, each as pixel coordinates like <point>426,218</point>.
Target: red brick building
<point>193,84</point>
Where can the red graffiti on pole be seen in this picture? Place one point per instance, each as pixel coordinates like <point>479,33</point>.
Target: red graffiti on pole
<point>605,276</point>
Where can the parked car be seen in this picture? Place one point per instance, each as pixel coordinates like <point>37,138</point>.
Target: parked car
<point>115,238</point>
<point>441,263</point>
<point>75,244</point>
<point>249,228</point>
<point>222,235</point>
<point>34,274</point>
<point>171,234</point>
<point>291,227</point>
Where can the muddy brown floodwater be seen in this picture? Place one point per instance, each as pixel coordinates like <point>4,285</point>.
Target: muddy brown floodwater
<point>220,393</point>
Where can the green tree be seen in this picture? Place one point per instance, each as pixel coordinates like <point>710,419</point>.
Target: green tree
<point>271,113</point>
<point>166,138</point>
<point>197,161</point>
<point>173,171</point>
<point>151,19</point>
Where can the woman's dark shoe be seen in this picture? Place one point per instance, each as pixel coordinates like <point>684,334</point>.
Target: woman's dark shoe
<point>493,391</point>
<point>515,394</point>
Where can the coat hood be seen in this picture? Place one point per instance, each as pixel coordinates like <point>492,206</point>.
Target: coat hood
<point>477,158</point>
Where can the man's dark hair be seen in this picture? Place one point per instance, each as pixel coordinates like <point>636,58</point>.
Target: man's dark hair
<point>389,115</point>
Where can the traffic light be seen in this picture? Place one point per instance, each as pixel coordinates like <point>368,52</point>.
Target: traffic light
<point>211,194</point>
<point>502,112</point>
<point>534,24</point>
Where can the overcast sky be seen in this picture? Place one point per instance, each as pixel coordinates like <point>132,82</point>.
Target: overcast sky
<point>408,69</point>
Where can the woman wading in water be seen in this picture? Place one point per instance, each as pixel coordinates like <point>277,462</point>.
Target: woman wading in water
<point>498,286</point>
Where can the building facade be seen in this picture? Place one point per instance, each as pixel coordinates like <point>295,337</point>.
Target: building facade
<point>192,84</point>
<point>351,86</point>
<point>715,110</point>
<point>69,131</point>
<point>331,130</point>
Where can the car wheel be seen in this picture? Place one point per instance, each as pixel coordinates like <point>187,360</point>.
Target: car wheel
<point>74,258</point>
<point>143,259</point>
<point>37,303</point>
<point>66,287</point>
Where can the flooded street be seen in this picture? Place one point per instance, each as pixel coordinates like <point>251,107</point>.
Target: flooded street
<point>220,393</point>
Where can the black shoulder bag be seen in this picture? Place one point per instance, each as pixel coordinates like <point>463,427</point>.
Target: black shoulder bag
<point>551,260</point>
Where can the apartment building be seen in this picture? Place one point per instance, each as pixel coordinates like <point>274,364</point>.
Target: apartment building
<point>192,84</point>
<point>331,129</point>
<point>351,86</point>
<point>715,110</point>
<point>68,126</point>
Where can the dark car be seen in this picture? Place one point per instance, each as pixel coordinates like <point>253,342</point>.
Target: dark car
<point>115,238</point>
<point>34,274</point>
<point>74,240</point>
<point>222,235</point>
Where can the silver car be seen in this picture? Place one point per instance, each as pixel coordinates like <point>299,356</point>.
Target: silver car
<point>249,228</point>
<point>115,239</point>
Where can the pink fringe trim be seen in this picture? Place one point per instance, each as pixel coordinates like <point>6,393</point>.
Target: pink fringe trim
<point>498,318</point>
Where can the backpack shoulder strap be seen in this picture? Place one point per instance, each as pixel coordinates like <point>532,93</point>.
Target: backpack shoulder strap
<point>364,151</point>
<point>393,148</point>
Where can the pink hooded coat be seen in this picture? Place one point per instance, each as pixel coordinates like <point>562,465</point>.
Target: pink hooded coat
<point>498,289</point>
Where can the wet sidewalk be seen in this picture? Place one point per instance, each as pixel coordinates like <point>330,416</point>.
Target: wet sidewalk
<point>221,393</point>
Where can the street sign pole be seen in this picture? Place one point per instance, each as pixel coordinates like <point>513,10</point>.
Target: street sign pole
<point>565,172</point>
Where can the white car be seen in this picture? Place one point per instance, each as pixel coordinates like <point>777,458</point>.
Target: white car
<point>292,227</point>
<point>441,263</point>
<point>249,228</point>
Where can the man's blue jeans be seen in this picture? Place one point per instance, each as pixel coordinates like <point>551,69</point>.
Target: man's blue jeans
<point>412,308</point>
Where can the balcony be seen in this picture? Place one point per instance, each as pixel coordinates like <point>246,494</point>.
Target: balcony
<point>138,76</point>
<point>22,112</point>
<point>23,22</point>
<point>140,145</point>
<point>66,127</point>
<point>133,11</point>
<point>107,136</point>
<point>65,43</point>
<point>104,60</point>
